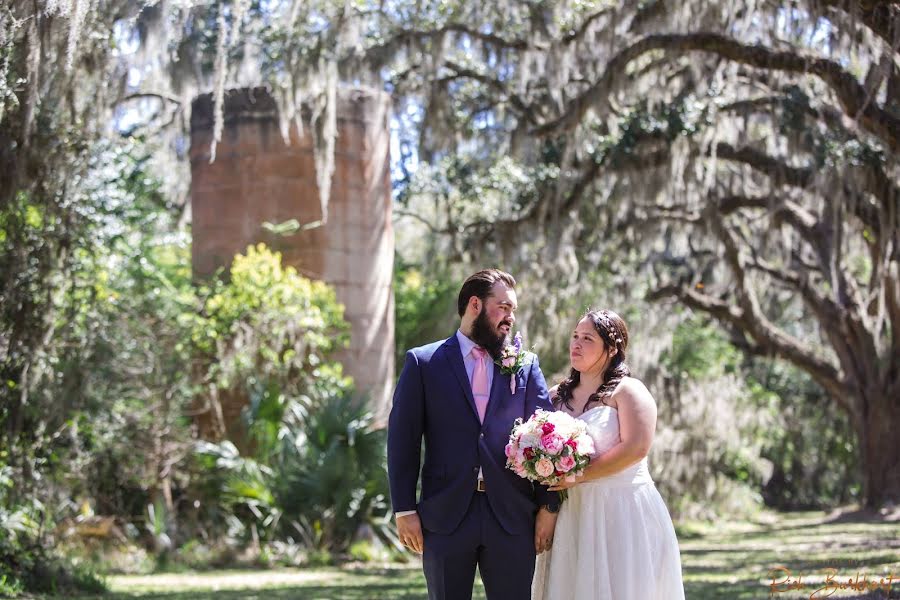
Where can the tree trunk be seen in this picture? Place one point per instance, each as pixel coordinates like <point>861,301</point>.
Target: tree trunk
<point>880,450</point>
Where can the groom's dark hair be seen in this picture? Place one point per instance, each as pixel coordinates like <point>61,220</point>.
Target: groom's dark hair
<point>480,284</point>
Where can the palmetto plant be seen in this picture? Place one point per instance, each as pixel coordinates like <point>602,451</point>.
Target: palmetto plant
<point>317,469</point>
<point>339,481</point>
<point>243,486</point>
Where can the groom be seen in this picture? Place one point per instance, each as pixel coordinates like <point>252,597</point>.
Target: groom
<point>472,510</point>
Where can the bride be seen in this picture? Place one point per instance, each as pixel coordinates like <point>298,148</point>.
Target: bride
<point>614,539</point>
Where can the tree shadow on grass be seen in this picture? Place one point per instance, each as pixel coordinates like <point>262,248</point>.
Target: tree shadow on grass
<point>747,589</point>
<point>402,590</point>
<point>399,584</point>
<point>384,591</point>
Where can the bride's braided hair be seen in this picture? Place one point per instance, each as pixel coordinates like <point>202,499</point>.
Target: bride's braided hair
<point>614,333</point>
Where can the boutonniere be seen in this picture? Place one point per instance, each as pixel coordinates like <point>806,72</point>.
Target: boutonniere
<point>512,359</point>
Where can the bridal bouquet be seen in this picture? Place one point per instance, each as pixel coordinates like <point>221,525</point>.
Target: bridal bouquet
<point>549,447</point>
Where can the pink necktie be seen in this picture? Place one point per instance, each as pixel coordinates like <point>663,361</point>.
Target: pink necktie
<point>480,381</point>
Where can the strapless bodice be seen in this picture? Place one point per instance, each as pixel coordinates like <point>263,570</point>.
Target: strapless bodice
<point>603,427</point>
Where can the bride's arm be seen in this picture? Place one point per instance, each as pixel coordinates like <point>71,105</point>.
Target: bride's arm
<point>637,424</point>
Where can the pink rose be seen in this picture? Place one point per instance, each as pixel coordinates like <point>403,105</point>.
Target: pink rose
<point>509,361</point>
<point>565,464</point>
<point>552,443</point>
<point>512,449</point>
<point>547,428</point>
<point>544,467</point>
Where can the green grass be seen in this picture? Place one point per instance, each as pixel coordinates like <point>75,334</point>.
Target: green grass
<point>279,584</point>
<point>720,560</point>
<point>737,560</point>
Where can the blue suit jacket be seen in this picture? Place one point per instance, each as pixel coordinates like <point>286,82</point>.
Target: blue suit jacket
<point>434,400</point>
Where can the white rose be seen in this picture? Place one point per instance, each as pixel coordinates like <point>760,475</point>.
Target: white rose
<point>529,440</point>
<point>585,444</point>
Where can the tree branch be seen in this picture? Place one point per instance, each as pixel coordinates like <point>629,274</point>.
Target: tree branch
<point>801,177</point>
<point>404,36</point>
<point>826,310</point>
<point>892,299</point>
<point>828,114</point>
<point>576,34</point>
<point>850,93</point>
<point>405,213</point>
<point>879,185</point>
<point>763,331</point>
<point>842,316</point>
<point>498,85</point>
<point>719,309</point>
<point>883,18</point>
<point>777,170</point>
<point>783,211</point>
<point>154,95</point>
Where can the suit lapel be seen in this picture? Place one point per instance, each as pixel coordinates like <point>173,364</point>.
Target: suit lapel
<point>453,354</point>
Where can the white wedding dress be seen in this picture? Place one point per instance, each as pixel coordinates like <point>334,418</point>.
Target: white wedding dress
<point>614,539</point>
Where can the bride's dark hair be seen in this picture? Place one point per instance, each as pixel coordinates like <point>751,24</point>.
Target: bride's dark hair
<point>612,330</point>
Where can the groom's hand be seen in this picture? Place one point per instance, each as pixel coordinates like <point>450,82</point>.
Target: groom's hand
<point>544,526</point>
<point>410,529</point>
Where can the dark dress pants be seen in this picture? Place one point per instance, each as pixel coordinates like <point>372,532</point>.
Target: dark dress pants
<point>506,562</point>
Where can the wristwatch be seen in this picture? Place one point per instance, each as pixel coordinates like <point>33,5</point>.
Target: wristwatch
<point>552,508</point>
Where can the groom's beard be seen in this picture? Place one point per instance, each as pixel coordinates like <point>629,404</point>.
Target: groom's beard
<point>487,336</point>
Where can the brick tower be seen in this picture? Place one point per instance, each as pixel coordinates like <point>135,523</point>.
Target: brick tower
<point>256,177</point>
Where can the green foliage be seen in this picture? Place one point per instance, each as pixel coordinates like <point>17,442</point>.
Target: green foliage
<point>683,118</point>
<point>339,480</point>
<point>700,350</point>
<point>282,553</point>
<point>34,569</point>
<point>16,526</point>
<point>237,489</point>
<point>477,188</point>
<point>800,452</point>
<point>268,324</point>
<point>425,307</point>
<point>25,564</point>
<point>268,334</point>
<point>325,481</point>
<point>135,344</point>
<point>132,364</point>
<point>313,465</point>
<point>96,404</point>
<point>367,551</point>
<point>815,451</point>
<point>319,557</point>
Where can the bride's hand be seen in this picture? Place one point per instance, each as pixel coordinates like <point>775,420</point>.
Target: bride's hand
<point>564,485</point>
